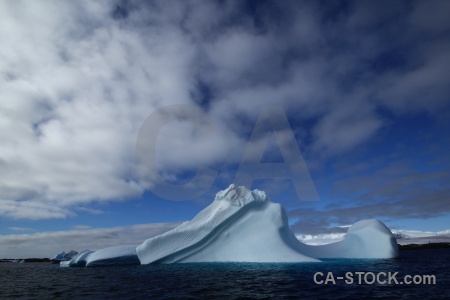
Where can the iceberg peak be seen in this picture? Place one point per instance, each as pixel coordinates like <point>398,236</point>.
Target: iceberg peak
<point>240,225</point>
<point>240,195</point>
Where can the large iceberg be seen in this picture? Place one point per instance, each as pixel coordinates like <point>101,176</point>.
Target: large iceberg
<point>246,226</point>
<point>239,226</point>
<point>242,226</point>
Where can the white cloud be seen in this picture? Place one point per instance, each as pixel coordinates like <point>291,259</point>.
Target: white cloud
<point>77,85</point>
<point>80,227</point>
<point>21,229</point>
<point>34,210</point>
<point>346,126</point>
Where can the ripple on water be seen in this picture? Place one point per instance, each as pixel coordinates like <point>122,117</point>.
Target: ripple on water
<point>224,280</point>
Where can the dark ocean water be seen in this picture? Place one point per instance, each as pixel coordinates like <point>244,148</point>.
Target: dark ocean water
<point>228,280</point>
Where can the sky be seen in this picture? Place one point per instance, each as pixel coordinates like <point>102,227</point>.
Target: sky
<point>120,119</point>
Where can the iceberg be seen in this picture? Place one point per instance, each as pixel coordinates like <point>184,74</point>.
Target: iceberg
<point>239,226</point>
<point>78,261</point>
<point>58,257</point>
<point>246,226</point>
<point>364,239</point>
<point>242,226</point>
<point>63,256</point>
<point>119,255</point>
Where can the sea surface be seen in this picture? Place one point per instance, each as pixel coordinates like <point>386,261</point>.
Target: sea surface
<point>229,280</point>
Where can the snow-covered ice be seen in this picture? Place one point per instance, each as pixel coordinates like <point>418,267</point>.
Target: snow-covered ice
<point>364,239</point>
<point>119,255</point>
<point>406,237</point>
<point>240,225</point>
<point>78,261</point>
<point>403,237</point>
<point>244,225</point>
<point>321,239</point>
<point>63,256</point>
<point>58,257</point>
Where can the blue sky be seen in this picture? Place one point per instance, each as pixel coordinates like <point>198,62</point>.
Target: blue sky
<point>363,84</point>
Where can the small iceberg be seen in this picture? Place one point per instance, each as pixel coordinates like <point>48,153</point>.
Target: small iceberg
<point>364,239</point>
<point>63,256</point>
<point>119,255</point>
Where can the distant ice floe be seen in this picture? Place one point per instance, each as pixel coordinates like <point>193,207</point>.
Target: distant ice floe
<point>119,255</point>
<point>403,237</point>
<point>63,256</point>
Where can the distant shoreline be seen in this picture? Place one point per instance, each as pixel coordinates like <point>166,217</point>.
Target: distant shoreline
<point>424,246</point>
<point>401,247</point>
<point>25,260</point>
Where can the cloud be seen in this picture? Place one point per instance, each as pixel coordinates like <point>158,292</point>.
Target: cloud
<point>81,227</point>
<point>47,244</point>
<point>20,229</point>
<point>390,193</point>
<point>76,86</point>
<point>347,126</point>
<point>79,78</point>
<point>34,210</point>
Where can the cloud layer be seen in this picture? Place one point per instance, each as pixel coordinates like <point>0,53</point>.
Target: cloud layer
<point>79,78</point>
<point>48,244</point>
<point>397,191</point>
